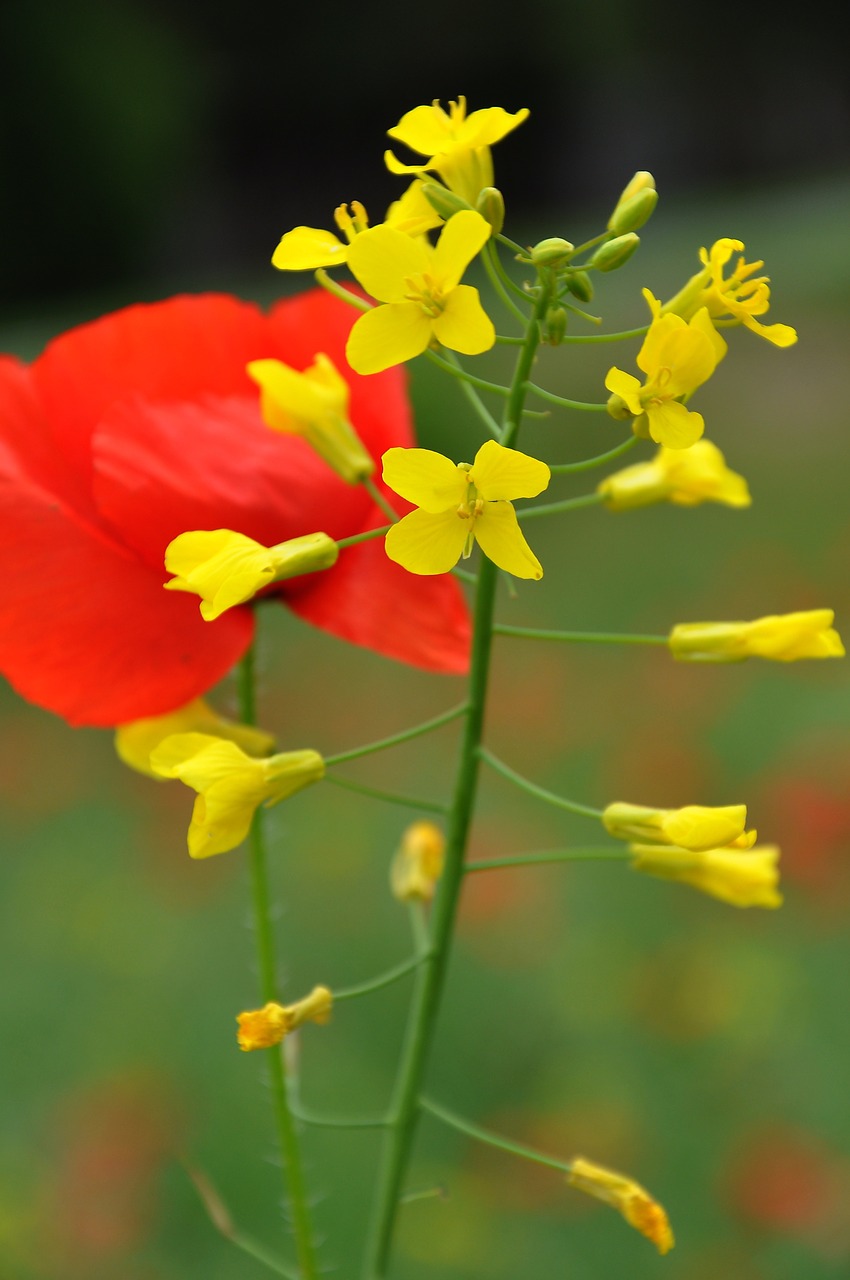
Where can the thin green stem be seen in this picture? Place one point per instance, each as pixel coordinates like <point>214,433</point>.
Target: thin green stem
<point>457,371</point>
<point>532,789</point>
<point>576,637</point>
<point>472,396</point>
<point>501,282</point>
<point>567,468</point>
<point>563,401</point>
<point>293,1171</point>
<point>591,853</point>
<point>340,291</point>
<point>556,508</point>
<point>379,500</point>
<point>607,337</point>
<point>427,726</point>
<point>591,244</point>
<point>390,797</point>
<point>319,1121</point>
<point>261,1254</point>
<point>510,244</point>
<point>362,537</point>
<point>465,575</point>
<point>377,984</point>
<point>504,340</point>
<point>454,1121</point>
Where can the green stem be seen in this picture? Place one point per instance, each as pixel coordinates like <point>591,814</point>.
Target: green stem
<point>532,789</point>
<point>607,337</point>
<point>339,1122</point>
<point>472,395</point>
<point>339,291</point>
<point>362,537</point>
<point>260,1254</point>
<point>564,402</point>
<point>465,576</point>
<point>376,984</point>
<point>457,371</point>
<point>431,974</point>
<point>556,508</point>
<point>565,468</point>
<point>293,1171</point>
<point>576,637</point>
<point>454,1121</point>
<point>510,244</point>
<point>379,500</point>
<point>427,726</point>
<point>493,267</point>
<point>391,797</point>
<point>589,854</point>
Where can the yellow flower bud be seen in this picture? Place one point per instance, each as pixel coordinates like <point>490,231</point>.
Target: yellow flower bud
<point>612,254</point>
<point>491,205</point>
<point>263,1028</point>
<point>742,877</point>
<point>418,863</point>
<point>226,568</point>
<point>553,252</point>
<point>694,826</point>
<point>685,477</point>
<point>781,637</point>
<point>135,741</point>
<point>635,205</point>
<point>627,1196</point>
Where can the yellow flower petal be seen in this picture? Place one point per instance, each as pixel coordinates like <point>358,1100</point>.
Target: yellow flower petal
<point>427,130</point>
<point>781,335</point>
<point>395,166</point>
<point>490,124</point>
<point>461,239</point>
<point>742,877</point>
<point>387,335</point>
<point>464,325</point>
<point>428,479</point>
<point>135,741</point>
<point>427,542</point>
<point>305,248</point>
<point>674,426</point>
<point>498,534</point>
<point>222,567</point>
<point>626,386</point>
<point>498,473</point>
<point>383,258</point>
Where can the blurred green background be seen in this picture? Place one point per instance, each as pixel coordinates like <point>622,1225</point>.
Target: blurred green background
<point>703,1049</point>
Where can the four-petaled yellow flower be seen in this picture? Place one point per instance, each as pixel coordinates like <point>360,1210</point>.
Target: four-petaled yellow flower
<point>305,248</point>
<point>263,1028</point>
<point>694,826</point>
<point>677,356</point>
<point>226,568</point>
<point>457,145</point>
<point>135,741</point>
<point>313,404</point>
<point>420,287</point>
<point>685,477</point>
<point>737,299</point>
<point>418,863</point>
<point>784,637</point>
<point>230,785</point>
<point>742,877</point>
<point>460,503</point>
<point>624,1194</point>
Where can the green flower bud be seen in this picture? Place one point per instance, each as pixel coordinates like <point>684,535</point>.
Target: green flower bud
<point>642,181</point>
<point>445,202</point>
<point>633,213</point>
<point>555,326</point>
<point>614,253</point>
<point>491,205</point>
<point>580,285</point>
<point>553,252</point>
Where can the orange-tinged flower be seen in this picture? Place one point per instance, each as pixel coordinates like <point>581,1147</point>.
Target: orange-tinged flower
<point>263,1028</point>
<point>627,1196</point>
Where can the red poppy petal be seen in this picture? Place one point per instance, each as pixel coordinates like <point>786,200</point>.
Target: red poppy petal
<point>369,600</point>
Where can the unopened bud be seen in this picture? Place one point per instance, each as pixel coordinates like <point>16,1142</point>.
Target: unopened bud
<point>617,408</point>
<point>445,202</point>
<point>553,252</point>
<point>491,205</point>
<point>614,253</point>
<point>580,285</point>
<point>631,214</point>
<point>555,326</point>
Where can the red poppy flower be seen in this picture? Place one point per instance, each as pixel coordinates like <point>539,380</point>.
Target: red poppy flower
<point>144,424</point>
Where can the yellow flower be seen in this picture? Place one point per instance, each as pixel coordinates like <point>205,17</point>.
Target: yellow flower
<point>135,741</point>
<point>421,288</point>
<point>305,248</point>
<point>736,300</point>
<point>742,877</point>
<point>230,785</point>
<point>685,477</point>
<point>418,863</point>
<point>677,356</point>
<point>457,145</point>
<point>226,568</point>
<point>461,503</point>
<point>313,404</point>
<point>693,827</point>
<point>624,1194</point>
<point>784,637</point>
<point>262,1028</point>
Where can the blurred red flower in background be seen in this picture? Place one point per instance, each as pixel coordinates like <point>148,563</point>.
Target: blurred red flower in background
<point>144,424</point>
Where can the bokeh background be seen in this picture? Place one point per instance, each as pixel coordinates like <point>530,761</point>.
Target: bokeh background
<point>149,148</point>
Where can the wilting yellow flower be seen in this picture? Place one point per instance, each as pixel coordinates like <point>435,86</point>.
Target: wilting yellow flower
<point>694,826</point>
<point>457,145</point>
<point>418,863</point>
<point>740,876</point>
<point>226,568</point>
<point>677,356</point>
<point>313,404</point>
<point>135,741</point>
<point>462,503</point>
<point>262,1028</point>
<point>685,477</point>
<point>784,637</point>
<point>624,1194</point>
<point>736,300</point>
<point>230,785</point>
<point>420,287</point>
<point>305,248</point>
